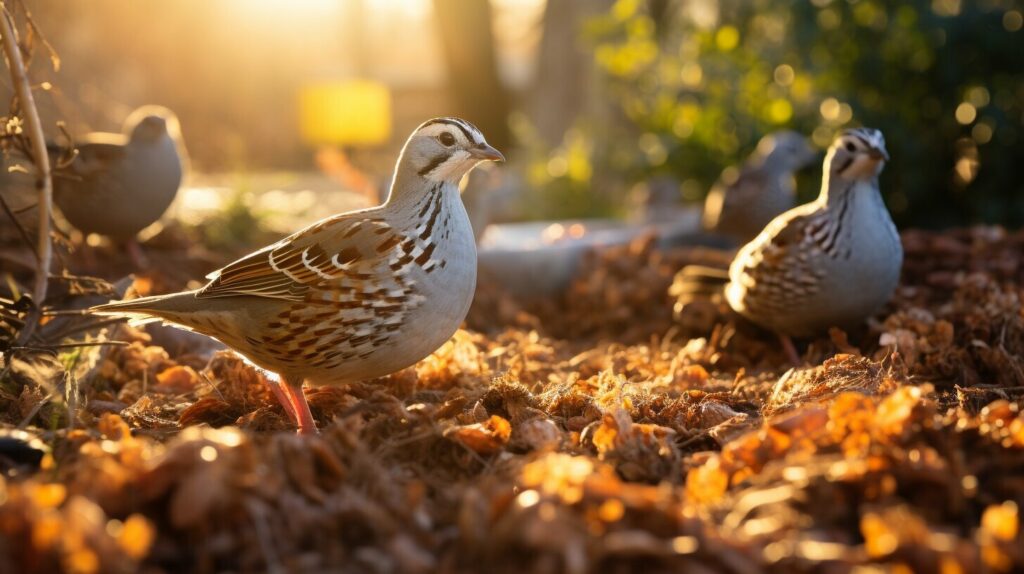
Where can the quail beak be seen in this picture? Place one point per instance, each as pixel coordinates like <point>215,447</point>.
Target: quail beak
<point>877,154</point>
<point>484,151</point>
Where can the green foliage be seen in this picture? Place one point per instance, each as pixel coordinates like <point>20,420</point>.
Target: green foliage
<point>236,225</point>
<point>561,179</point>
<point>700,82</point>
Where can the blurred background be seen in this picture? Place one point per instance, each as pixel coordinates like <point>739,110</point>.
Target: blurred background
<point>588,98</point>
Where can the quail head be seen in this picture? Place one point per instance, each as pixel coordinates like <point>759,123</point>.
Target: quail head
<point>355,296</point>
<point>743,201</point>
<point>829,263</point>
<point>118,184</point>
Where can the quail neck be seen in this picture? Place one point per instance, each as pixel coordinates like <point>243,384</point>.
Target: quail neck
<point>424,206</point>
<point>850,194</point>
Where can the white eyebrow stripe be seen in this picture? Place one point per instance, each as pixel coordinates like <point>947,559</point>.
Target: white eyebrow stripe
<point>467,129</point>
<point>475,135</point>
<point>435,130</point>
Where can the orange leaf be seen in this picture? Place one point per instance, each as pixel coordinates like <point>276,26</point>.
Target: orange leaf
<point>484,438</point>
<point>177,379</point>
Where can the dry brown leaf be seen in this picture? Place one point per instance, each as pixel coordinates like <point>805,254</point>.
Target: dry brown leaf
<point>483,438</point>
<point>177,379</point>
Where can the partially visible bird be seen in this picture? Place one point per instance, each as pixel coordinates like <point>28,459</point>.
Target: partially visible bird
<point>355,296</point>
<point>655,200</point>
<point>745,199</point>
<point>19,193</point>
<point>829,263</point>
<point>118,184</point>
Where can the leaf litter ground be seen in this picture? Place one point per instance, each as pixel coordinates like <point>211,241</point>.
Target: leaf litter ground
<point>597,432</point>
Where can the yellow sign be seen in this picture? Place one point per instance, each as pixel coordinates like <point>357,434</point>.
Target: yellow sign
<point>356,112</point>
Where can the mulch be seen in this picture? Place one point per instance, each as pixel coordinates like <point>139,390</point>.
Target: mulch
<point>600,431</point>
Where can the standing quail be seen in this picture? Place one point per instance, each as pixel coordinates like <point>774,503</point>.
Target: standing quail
<point>119,184</point>
<point>829,263</point>
<point>742,202</point>
<point>355,296</point>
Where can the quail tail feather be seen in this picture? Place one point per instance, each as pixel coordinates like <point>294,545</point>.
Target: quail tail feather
<point>698,281</point>
<point>175,307</point>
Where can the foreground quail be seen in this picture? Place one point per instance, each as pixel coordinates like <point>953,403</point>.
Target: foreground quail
<point>119,184</point>
<point>741,203</point>
<point>354,296</point>
<point>829,263</point>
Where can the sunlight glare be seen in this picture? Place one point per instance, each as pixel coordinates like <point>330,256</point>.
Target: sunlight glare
<point>279,8</point>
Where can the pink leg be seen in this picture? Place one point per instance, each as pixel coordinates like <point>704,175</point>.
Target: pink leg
<point>135,251</point>
<point>284,398</point>
<point>790,350</point>
<point>299,406</point>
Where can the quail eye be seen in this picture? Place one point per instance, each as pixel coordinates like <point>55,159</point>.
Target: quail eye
<point>850,147</point>
<point>446,139</point>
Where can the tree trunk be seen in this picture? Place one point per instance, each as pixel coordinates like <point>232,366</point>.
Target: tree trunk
<point>467,42</point>
<point>565,69</point>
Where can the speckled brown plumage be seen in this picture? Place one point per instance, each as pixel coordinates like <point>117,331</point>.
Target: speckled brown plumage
<point>355,296</point>
<point>831,262</point>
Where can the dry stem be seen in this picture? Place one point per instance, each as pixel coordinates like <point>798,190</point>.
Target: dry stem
<point>34,131</point>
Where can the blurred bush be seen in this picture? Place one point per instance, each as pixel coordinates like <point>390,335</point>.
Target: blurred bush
<point>237,224</point>
<point>696,84</point>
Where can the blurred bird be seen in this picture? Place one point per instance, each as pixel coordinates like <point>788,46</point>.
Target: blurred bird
<point>829,263</point>
<point>743,201</point>
<point>655,200</point>
<point>354,296</point>
<point>19,193</point>
<point>118,184</point>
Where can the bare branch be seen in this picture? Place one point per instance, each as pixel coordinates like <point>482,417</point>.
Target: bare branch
<point>12,215</point>
<point>34,131</point>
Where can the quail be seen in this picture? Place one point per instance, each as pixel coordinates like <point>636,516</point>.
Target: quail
<point>829,263</point>
<point>743,201</point>
<point>357,295</point>
<point>118,184</point>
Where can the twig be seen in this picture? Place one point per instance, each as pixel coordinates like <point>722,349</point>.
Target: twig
<point>71,396</point>
<point>75,329</point>
<point>35,410</point>
<point>74,345</point>
<point>50,312</point>
<point>202,375</point>
<point>38,35</point>
<point>44,181</point>
<point>21,210</point>
<point>17,223</point>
